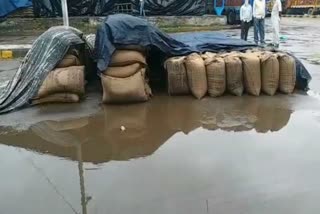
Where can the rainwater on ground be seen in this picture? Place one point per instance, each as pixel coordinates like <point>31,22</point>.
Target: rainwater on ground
<point>174,155</point>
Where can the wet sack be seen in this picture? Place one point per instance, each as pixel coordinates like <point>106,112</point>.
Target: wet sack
<point>269,73</point>
<point>63,80</point>
<point>197,77</point>
<point>287,73</point>
<point>234,74</point>
<point>125,90</point>
<point>177,76</point>
<point>216,76</point>
<point>251,73</point>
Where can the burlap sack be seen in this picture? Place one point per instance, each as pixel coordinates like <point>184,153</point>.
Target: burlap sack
<point>57,98</point>
<point>127,57</point>
<point>69,60</point>
<point>208,57</point>
<point>251,73</point>
<point>123,71</point>
<point>63,80</point>
<point>234,75</point>
<point>132,47</point>
<point>216,75</point>
<point>269,73</point>
<point>177,76</point>
<point>197,77</point>
<point>287,73</point>
<point>125,90</point>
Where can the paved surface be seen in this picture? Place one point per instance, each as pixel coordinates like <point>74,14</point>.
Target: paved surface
<point>177,155</point>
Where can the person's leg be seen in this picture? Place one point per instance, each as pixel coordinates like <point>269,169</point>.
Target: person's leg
<point>144,12</point>
<point>247,27</point>
<point>141,8</point>
<point>242,30</point>
<point>256,23</point>
<point>276,33</point>
<point>262,31</point>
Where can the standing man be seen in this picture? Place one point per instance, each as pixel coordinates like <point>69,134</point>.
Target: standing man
<point>245,17</point>
<point>142,12</point>
<point>259,13</point>
<point>275,19</point>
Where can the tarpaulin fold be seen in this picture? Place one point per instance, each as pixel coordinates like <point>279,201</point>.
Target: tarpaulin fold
<point>8,6</point>
<point>42,58</point>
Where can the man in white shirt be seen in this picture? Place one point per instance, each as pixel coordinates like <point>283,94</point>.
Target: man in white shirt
<point>245,17</point>
<point>275,19</point>
<point>259,13</point>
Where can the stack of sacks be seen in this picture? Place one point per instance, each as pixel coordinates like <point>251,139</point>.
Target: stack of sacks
<point>235,72</point>
<point>125,80</point>
<point>65,84</point>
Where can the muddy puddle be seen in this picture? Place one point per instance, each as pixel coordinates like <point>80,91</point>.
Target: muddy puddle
<point>176,155</point>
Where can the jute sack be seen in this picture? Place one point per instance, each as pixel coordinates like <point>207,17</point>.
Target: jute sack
<point>208,57</point>
<point>177,76</point>
<point>216,75</point>
<point>69,60</point>
<point>123,71</point>
<point>63,80</point>
<point>251,73</point>
<point>269,73</point>
<point>124,90</point>
<point>287,73</point>
<point>127,57</point>
<point>197,77</point>
<point>57,98</point>
<point>234,75</point>
<point>132,47</point>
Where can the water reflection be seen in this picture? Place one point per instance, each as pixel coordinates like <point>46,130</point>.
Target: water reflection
<point>148,126</point>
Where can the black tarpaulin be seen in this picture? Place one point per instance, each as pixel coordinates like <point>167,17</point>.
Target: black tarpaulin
<point>52,8</point>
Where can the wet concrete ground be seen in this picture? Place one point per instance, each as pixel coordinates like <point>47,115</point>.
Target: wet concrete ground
<point>177,154</point>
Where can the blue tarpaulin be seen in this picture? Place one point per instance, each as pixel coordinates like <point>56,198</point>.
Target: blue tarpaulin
<point>8,6</point>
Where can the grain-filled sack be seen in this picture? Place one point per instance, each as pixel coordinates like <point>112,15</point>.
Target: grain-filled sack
<point>127,57</point>
<point>251,73</point>
<point>177,76</point>
<point>234,75</point>
<point>197,77</point>
<point>57,98</point>
<point>269,73</point>
<point>132,47</point>
<point>69,60</point>
<point>125,90</point>
<point>287,73</point>
<point>63,80</point>
<point>216,76</point>
<point>123,71</point>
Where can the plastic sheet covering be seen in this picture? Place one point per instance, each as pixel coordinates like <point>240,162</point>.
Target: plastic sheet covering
<point>52,8</point>
<point>173,7</point>
<point>42,58</point>
<point>128,30</point>
<point>8,6</point>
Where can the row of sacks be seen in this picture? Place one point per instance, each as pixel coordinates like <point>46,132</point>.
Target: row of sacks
<point>66,83</point>
<point>233,72</point>
<point>125,79</point>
